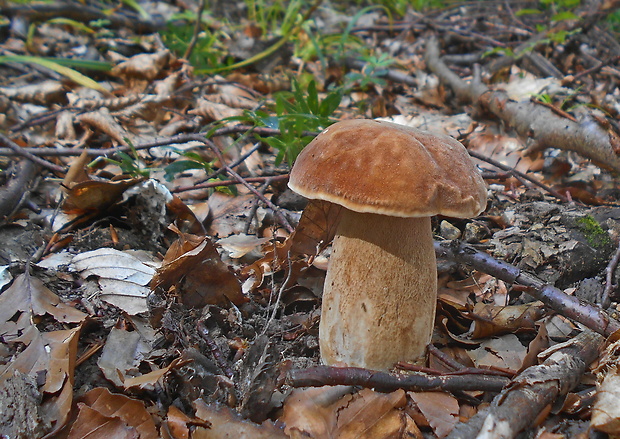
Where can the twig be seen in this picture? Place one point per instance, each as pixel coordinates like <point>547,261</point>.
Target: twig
<point>33,158</point>
<point>203,331</point>
<point>276,211</point>
<point>211,184</point>
<point>609,278</point>
<point>568,306</point>
<point>519,175</point>
<point>197,27</point>
<point>591,70</point>
<point>252,213</point>
<point>181,138</point>
<point>386,382</point>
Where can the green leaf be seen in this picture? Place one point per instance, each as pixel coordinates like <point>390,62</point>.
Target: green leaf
<point>313,98</point>
<point>73,75</point>
<point>522,12</point>
<point>179,166</point>
<point>330,104</point>
<point>566,15</point>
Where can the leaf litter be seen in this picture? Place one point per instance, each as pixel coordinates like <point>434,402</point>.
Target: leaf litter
<point>161,315</point>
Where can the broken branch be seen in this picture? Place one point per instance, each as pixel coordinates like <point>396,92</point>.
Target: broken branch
<point>543,126</point>
<point>387,382</point>
<point>568,306</point>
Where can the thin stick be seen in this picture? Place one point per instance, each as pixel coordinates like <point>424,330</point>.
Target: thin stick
<point>519,175</point>
<point>609,278</point>
<point>197,28</point>
<point>33,158</point>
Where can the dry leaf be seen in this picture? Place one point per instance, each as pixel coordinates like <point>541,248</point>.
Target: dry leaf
<point>122,353</point>
<point>505,352</point>
<point>194,268</point>
<point>332,412</point>
<point>240,245</point>
<point>96,195</point>
<point>106,415</point>
<point>225,424</point>
<point>101,120</point>
<point>123,277</point>
<point>606,410</point>
<point>28,296</point>
<point>214,111</point>
<point>92,424</point>
<point>441,410</point>
<point>494,320</point>
<point>142,66</point>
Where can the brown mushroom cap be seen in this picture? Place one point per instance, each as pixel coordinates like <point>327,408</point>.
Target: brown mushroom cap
<point>389,169</point>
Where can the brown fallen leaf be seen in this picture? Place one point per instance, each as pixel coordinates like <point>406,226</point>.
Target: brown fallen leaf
<point>333,412</point>
<point>96,196</point>
<point>316,229</point>
<point>491,319</point>
<point>106,415</point>
<point>50,355</point>
<point>440,409</point>
<point>225,424</point>
<point>28,297</point>
<point>193,267</point>
<point>92,424</point>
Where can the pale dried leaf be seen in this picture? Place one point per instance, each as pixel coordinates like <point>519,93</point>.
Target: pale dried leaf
<point>101,120</point>
<point>240,245</point>
<point>121,355</point>
<point>122,276</point>
<point>213,111</point>
<point>42,93</point>
<point>505,352</point>
<point>143,66</point>
<point>606,410</point>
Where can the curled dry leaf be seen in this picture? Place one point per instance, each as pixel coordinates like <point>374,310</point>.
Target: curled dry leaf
<point>224,424</point>
<point>96,196</point>
<point>148,380</point>
<point>101,120</point>
<point>214,111</point>
<point>108,415</point>
<point>240,245</point>
<point>143,66</point>
<point>333,412</point>
<point>494,320</point>
<point>232,95</point>
<point>42,93</point>
<point>316,229</point>
<point>193,268</point>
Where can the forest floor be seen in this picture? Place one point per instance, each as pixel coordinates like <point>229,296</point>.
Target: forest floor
<point>159,279</point>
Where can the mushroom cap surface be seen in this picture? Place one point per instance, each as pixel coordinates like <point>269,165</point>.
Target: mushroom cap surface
<point>371,166</point>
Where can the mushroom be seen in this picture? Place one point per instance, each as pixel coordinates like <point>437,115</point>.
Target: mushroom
<point>380,290</point>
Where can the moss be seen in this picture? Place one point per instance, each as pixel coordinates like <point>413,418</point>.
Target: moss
<point>595,235</point>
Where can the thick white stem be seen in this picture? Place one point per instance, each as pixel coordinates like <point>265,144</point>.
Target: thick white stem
<point>380,291</point>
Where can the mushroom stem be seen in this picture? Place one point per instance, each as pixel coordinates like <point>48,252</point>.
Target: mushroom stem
<point>380,291</point>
